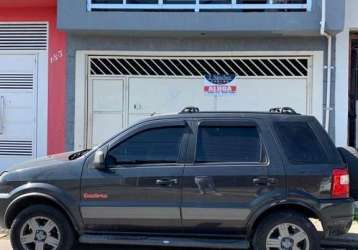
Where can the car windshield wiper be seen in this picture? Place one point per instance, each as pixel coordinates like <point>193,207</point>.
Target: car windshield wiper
<point>78,154</point>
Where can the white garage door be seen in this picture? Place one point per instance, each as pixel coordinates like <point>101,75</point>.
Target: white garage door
<point>160,95</point>
<point>124,90</point>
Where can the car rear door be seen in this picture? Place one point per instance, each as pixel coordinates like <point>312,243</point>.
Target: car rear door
<point>234,171</point>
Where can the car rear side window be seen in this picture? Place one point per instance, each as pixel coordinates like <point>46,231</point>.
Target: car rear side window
<point>300,143</point>
<point>229,144</point>
<point>158,145</point>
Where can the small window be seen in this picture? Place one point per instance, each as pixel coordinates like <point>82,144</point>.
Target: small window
<point>299,143</point>
<point>159,145</point>
<point>229,144</point>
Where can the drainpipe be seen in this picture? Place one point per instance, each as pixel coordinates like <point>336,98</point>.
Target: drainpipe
<point>329,65</point>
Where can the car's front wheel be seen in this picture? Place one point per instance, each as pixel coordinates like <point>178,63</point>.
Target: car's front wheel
<point>41,227</point>
<point>286,231</point>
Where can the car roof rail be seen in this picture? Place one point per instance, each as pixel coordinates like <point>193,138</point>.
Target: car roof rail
<point>284,110</point>
<point>190,109</point>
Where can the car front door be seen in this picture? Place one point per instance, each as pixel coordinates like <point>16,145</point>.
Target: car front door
<point>234,171</point>
<point>140,188</point>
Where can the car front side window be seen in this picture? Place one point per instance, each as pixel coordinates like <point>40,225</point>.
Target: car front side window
<point>157,145</point>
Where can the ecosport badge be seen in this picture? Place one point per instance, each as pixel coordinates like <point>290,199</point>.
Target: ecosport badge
<point>95,196</point>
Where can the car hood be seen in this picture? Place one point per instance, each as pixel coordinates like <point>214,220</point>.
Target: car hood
<point>50,160</point>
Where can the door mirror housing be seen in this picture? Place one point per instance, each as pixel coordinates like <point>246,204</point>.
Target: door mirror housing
<point>98,162</point>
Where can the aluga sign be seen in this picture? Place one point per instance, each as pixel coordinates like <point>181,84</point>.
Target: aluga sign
<point>220,84</point>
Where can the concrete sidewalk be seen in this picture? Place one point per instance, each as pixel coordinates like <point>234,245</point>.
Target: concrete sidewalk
<point>5,244</point>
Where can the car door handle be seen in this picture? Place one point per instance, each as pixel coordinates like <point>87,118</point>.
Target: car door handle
<point>264,181</point>
<point>166,182</point>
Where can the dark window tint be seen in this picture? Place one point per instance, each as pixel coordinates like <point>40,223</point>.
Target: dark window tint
<point>299,143</point>
<point>107,1</point>
<point>160,145</point>
<point>229,144</point>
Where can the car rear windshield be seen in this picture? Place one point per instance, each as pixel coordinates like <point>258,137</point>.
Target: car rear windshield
<point>300,143</point>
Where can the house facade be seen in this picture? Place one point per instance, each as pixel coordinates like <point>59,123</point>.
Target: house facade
<point>32,81</point>
<point>130,59</point>
<point>73,73</point>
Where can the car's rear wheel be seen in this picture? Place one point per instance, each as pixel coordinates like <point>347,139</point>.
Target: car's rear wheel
<point>286,231</point>
<point>41,227</point>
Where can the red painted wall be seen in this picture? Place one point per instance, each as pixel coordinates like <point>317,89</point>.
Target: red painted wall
<point>56,69</point>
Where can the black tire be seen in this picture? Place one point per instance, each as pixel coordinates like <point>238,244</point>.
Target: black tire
<point>269,223</point>
<point>67,233</point>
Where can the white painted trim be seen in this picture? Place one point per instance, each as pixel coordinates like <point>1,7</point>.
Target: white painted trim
<point>317,85</point>
<point>196,53</point>
<point>342,88</point>
<point>315,81</point>
<point>80,140</point>
<point>25,22</point>
<point>197,6</point>
<point>36,84</point>
<point>42,104</point>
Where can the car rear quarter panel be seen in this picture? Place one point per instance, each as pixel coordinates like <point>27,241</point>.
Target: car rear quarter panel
<point>311,180</point>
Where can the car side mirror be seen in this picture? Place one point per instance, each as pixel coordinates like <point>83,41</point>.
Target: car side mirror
<point>98,162</point>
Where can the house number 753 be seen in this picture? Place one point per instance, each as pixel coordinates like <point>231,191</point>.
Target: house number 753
<point>56,56</point>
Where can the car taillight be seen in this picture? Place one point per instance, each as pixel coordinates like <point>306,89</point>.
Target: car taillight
<point>340,184</point>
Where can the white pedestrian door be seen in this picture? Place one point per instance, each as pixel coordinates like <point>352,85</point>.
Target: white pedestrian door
<point>17,108</point>
<point>105,112</point>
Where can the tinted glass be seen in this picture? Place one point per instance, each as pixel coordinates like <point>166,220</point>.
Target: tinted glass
<point>300,144</point>
<point>142,1</point>
<point>179,1</point>
<point>229,144</point>
<point>160,145</point>
<point>107,1</point>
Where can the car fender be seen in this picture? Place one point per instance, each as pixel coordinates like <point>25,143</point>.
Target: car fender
<point>284,204</point>
<point>50,192</point>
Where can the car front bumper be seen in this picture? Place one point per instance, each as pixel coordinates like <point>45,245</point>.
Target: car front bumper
<point>4,203</point>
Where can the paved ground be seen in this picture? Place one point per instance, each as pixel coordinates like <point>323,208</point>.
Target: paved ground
<point>5,244</point>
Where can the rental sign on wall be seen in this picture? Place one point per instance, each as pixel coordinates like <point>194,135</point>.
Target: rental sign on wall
<point>220,85</point>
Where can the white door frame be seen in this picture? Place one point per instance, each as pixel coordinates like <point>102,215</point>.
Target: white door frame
<point>315,79</point>
<point>40,92</point>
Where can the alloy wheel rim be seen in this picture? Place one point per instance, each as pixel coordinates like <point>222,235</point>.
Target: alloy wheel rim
<point>287,236</point>
<point>40,233</point>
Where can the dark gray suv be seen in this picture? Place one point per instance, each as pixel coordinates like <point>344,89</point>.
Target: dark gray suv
<point>193,179</point>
